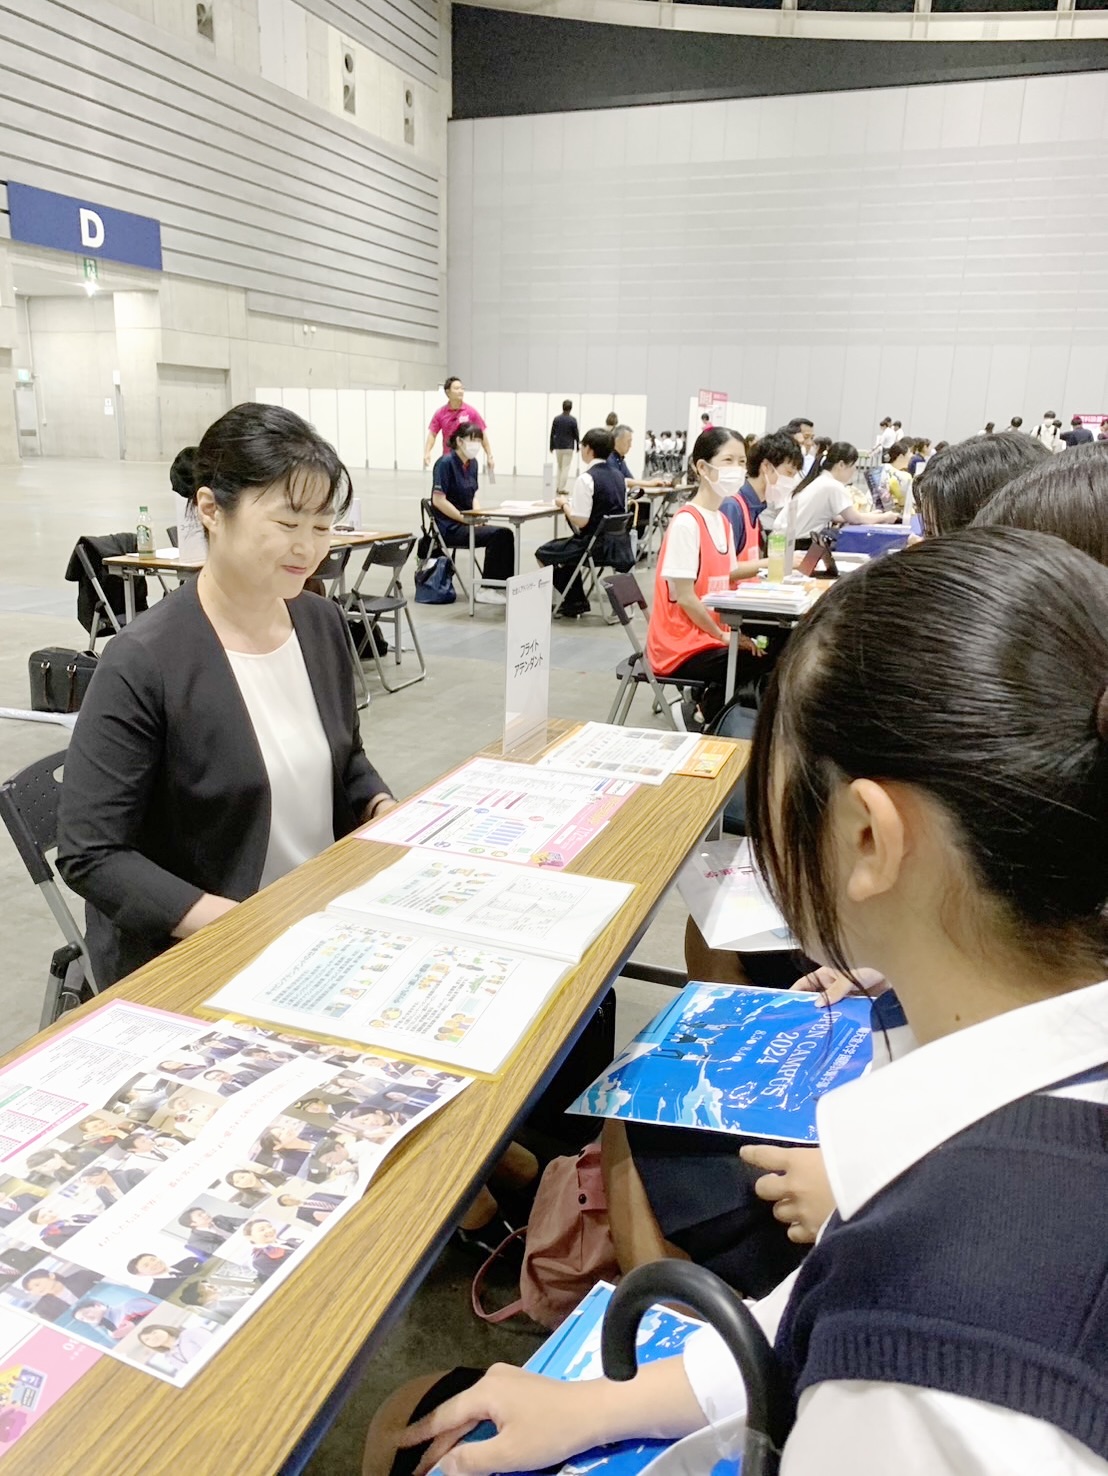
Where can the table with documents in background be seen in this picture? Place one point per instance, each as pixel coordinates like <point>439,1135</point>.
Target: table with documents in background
<point>265,1401</point>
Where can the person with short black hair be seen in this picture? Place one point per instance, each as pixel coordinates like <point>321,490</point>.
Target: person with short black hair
<point>447,418</point>
<point>958,480</point>
<point>1067,498</point>
<point>773,469</point>
<point>599,492</point>
<point>1016,423</point>
<point>1078,434</point>
<point>886,435</point>
<point>453,495</point>
<point>565,438</point>
<point>218,746</point>
<point>1047,431</point>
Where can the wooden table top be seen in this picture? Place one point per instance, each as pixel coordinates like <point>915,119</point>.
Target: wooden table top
<point>245,1412</point>
<point>512,514</point>
<point>153,564</point>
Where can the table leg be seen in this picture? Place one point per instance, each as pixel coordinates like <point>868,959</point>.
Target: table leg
<point>732,665</point>
<point>472,568</point>
<point>129,594</point>
<point>517,531</point>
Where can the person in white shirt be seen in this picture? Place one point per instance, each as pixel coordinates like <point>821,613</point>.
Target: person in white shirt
<point>952,1317</point>
<point>886,435</point>
<point>824,497</point>
<point>1047,431</point>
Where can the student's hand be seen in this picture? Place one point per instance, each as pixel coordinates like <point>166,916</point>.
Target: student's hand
<point>201,913</point>
<point>380,804</point>
<point>890,517</point>
<point>795,1183</point>
<point>833,986</point>
<point>751,647</point>
<point>540,1422</point>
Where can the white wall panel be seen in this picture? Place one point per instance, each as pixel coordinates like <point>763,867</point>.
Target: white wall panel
<point>323,412</point>
<point>500,416</point>
<point>411,429</point>
<point>380,429</point>
<point>268,397</point>
<point>936,253</point>
<point>298,401</point>
<point>351,443</point>
<point>532,435</point>
<point>595,409</point>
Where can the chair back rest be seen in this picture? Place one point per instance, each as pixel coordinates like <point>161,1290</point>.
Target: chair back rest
<point>171,534</point>
<point>623,595</point>
<point>333,564</point>
<point>29,803</point>
<point>614,523</point>
<point>391,553</point>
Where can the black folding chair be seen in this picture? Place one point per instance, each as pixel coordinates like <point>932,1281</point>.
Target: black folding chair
<point>370,609</point>
<point>331,579</point>
<point>625,596</point>
<point>101,597</point>
<point>587,570</point>
<point>29,804</point>
<point>431,539</point>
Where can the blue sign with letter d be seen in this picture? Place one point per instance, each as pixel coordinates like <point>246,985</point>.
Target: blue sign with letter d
<point>42,218</point>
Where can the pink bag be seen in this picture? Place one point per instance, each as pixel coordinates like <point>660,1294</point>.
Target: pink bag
<point>568,1247</point>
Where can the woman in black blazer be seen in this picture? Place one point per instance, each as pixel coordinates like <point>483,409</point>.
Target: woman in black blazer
<point>218,745</point>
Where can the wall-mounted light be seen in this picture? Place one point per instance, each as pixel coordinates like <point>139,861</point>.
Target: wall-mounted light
<point>90,288</point>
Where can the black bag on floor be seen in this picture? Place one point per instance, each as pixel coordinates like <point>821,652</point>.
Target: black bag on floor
<point>362,638</point>
<point>549,1126</point>
<point>59,678</point>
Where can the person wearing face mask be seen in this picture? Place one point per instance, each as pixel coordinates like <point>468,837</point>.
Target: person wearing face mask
<point>598,493</point>
<point>453,494</point>
<point>772,471</point>
<point>684,638</point>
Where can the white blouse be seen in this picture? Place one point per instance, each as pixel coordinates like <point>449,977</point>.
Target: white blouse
<point>295,751</point>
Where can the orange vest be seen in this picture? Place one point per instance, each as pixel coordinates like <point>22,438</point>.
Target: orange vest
<point>671,637</point>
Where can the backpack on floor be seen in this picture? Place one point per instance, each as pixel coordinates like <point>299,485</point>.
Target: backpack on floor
<point>434,583</point>
<point>567,1244</point>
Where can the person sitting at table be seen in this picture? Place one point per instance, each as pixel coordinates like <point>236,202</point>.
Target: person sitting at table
<point>773,466</point>
<point>958,480</point>
<point>218,746</point>
<point>892,480</point>
<point>453,494</point>
<point>622,440</point>
<point>824,497</point>
<point>684,638</point>
<point>598,493</point>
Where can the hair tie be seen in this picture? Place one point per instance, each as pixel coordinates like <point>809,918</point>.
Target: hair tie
<point>1101,716</point>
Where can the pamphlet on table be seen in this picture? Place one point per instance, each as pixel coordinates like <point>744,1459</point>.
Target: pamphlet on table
<point>605,750</point>
<point>502,811</point>
<point>720,886</point>
<point>441,958</point>
<point>573,1354</point>
<point>161,1175</point>
<point>764,596</point>
<point>733,1059</point>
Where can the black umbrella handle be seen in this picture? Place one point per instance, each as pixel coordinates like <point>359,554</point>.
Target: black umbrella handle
<point>703,1293</point>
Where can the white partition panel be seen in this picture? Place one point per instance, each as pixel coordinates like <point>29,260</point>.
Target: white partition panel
<point>298,401</point>
<point>500,413</point>
<point>411,428</point>
<point>432,399</point>
<point>380,429</point>
<point>475,399</point>
<point>632,412</point>
<point>595,409</point>
<point>532,435</point>
<point>268,397</point>
<point>323,405</point>
<point>351,441</point>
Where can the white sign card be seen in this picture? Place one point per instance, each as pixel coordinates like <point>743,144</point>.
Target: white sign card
<point>527,670</point>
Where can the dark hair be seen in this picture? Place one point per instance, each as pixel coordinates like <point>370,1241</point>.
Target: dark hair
<point>919,443</point>
<point>1049,414</point>
<point>896,425</point>
<point>448,381</point>
<point>705,416</point>
<point>990,426</point>
<point>941,446</point>
<point>132,1265</point>
<point>147,1327</point>
<point>836,452</point>
<point>1075,420</point>
<point>709,442</point>
<point>900,448</point>
<point>567,406</point>
<point>798,422</point>
<point>600,442</point>
<point>190,1295</point>
<point>43,1155</point>
<point>464,431</point>
<point>1017,421</point>
<point>1003,734</point>
<point>886,420</point>
<point>777,447</point>
<point>182,474</point>
<point>186,1218</point>
<point>959,480</point>
<point>258,446</point>
<point>611,419</point>
<point>1066,496</point>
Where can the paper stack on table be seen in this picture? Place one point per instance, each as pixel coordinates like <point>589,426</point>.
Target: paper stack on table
<point>758,595</point>
<point>606,750</point>
<point>436,956</point>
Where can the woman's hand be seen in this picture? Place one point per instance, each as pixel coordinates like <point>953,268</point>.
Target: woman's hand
<point>795,1183</point>
<point>750,646</point>
<point>379,805</point>
<point>539,1422</point>
<point>833,986</point>
<point>201,913</point>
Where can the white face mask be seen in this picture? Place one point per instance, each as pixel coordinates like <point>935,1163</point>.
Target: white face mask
<point>469,449</point>
<point>728,480</point>
<point>784,485</point>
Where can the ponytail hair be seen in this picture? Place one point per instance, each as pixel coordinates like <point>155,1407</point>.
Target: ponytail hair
<point>836,452</point>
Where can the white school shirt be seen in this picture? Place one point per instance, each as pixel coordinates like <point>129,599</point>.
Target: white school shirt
<point>871,1131</point>
<point>681,549</point>
<point>295,751</point>
<point>821,502</point>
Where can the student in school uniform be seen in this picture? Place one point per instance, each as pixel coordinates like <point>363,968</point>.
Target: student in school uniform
<point>1067,498</point>
<point>958,480</point>
<point>683,637</point>
<point>773,469</point>
<point>824,497</point>
<point>599,492</point>
<point>218,745</point>
<point>453,494</point>
<point>953,1315</point>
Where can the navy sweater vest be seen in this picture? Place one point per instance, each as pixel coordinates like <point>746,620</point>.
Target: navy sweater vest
<point>982,1271</point>
<point>609,495</point>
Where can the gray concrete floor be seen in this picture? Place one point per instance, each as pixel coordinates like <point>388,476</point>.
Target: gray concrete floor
<point>412,736</point>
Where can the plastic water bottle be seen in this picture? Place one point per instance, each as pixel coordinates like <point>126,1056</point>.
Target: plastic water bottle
<point>144,533</point>
<point>775,555</point>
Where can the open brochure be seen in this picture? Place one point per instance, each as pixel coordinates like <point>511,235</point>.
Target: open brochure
<point>495,810</point>
<point>573,1353</point>
<point>720,886</point>
<point>732,1059</point>
<point>606,750</point>
<point>443,959</point>
<point>162,1175</point>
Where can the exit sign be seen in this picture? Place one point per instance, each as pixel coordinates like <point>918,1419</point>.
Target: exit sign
<point>92,269</point>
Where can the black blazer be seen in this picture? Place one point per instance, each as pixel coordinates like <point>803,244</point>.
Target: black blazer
<point>563,433</point>
<point>166,795</point>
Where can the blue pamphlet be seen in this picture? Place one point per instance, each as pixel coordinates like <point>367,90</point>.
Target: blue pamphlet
<point>733,1059</point>
<point>573,1353</point>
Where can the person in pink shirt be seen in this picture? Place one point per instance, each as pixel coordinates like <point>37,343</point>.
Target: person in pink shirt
<point>447,418</point>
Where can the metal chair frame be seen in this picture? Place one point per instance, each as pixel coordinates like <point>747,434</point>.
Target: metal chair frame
<point>391,554</point>
<point>586,568</point>
<point>624,595</point>
<point>331,573</point>
<point>439,547</point>
<point>29,802</point>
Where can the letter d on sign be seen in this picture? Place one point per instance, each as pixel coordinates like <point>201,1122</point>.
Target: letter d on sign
<point>92,229</point>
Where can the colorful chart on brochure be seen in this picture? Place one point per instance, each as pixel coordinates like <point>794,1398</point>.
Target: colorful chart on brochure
<point>732,1059</point>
